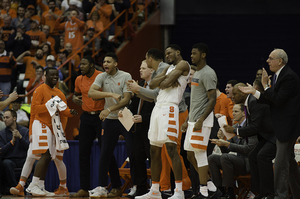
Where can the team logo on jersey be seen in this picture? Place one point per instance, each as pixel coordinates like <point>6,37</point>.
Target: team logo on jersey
<point>195,82</point>
<point>119,84</point>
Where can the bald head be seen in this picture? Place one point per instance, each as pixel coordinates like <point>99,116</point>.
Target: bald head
<point>239,96</point>
<point>69,47</point>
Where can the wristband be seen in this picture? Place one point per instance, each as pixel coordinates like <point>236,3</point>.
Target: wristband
<point>109,110</point>
<point>12,142</point>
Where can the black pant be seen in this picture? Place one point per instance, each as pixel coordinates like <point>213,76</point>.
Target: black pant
<point>112,128</point>
<point>90,128</point>
<point>141,151</point>
<point>286,172</point>
<point>7,171</point>
<point>261,166</point>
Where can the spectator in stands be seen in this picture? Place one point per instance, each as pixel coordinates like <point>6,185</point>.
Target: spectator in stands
<point>229,86</point>
<point>12,97</point>
<point>49,17</point>
<point>38,38</point>
<point>60,45</point>
<point>47,50</point>
<point>21,19</point>
<point>34,81</point>
<point>7,10</point>
<point>7,62</point>
<point>63,56</point>
<point>51,62</point>
<point>222,103</point>
<point>73,5</point>
<point>90,34</point>
<point>50,40</point>
<point>95,22</point>
<point>22,118</point>
<point>65,4</point>
<point>87,5</point>
<point>6,30</point>
<point>74,29</point>
<point>18,42</point>
<point>30,13</point>
<point>76,59</point>
<point>259,73</point>
<point>104,10</point>
<point>32,62</point>
<point>231,164</point>
<point>14,142</point>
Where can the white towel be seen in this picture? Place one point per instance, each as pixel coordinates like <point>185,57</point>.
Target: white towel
<point>52,106</point>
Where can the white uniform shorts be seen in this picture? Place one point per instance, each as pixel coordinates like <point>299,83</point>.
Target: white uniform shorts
<point>164,124</point>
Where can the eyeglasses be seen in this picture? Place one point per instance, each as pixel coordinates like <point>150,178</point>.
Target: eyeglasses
<point>271,58</point>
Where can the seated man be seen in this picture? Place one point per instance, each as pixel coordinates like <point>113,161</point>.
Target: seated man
<point>14,143</point>
<point>231,163</point>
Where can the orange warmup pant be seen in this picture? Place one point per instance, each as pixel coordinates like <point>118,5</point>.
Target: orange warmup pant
<point>166,161</point>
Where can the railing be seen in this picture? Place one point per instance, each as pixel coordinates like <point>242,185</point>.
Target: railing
<point>117,33</point>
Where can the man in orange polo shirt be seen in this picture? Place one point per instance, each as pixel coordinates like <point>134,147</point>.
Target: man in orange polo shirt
<point>90,123</point>
<point>229,86</point>
<point>222,103</point>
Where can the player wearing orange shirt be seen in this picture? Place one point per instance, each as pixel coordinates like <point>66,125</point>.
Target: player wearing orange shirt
<point>31,62</point>
<point>50,15</point>
<point>90,123</point>
<point>41,128</point>
<point>74,29</point>
<point>38,38</point>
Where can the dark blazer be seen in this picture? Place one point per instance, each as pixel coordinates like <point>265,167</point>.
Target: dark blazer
<point>284,101</point>
<point>241,147</point>
<point>258,121</point>
<point>146,111</point>
<point>19,149</point>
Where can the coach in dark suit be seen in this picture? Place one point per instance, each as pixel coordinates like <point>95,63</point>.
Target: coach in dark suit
<point>260,158</point>
<point>141,110</point>
<point>283,98</point>
<point>231,164</point>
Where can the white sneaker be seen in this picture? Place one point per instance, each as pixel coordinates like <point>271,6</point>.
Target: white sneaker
<point>35,190</point>
<point>132,191</point>
<point>98,192</point>
<point>150,195</point>
<point>250,195</point>
<point>48,194</point>
<point>177,195</point>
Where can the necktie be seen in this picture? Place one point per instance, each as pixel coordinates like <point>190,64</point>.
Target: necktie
<point>245,110</point>
<point>274,80</point>
<point>141,101</point>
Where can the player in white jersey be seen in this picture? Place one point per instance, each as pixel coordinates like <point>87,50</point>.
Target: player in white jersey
<point>164,124</point>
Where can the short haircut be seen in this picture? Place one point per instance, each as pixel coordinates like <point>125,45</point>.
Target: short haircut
<point>90,59</point>
<point>174,47</point>
<point>233,82</point>
<point>22,6</point>
<point>40,67</point>
<point>12,112</point>
<point>282,55</point>
<point>49,68</point>
<point>203,48</point>
<point>112,55</point>
<point>155,54</point>
<point>241,106</point>
<point>52,1</point>
<point>259,85</point>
